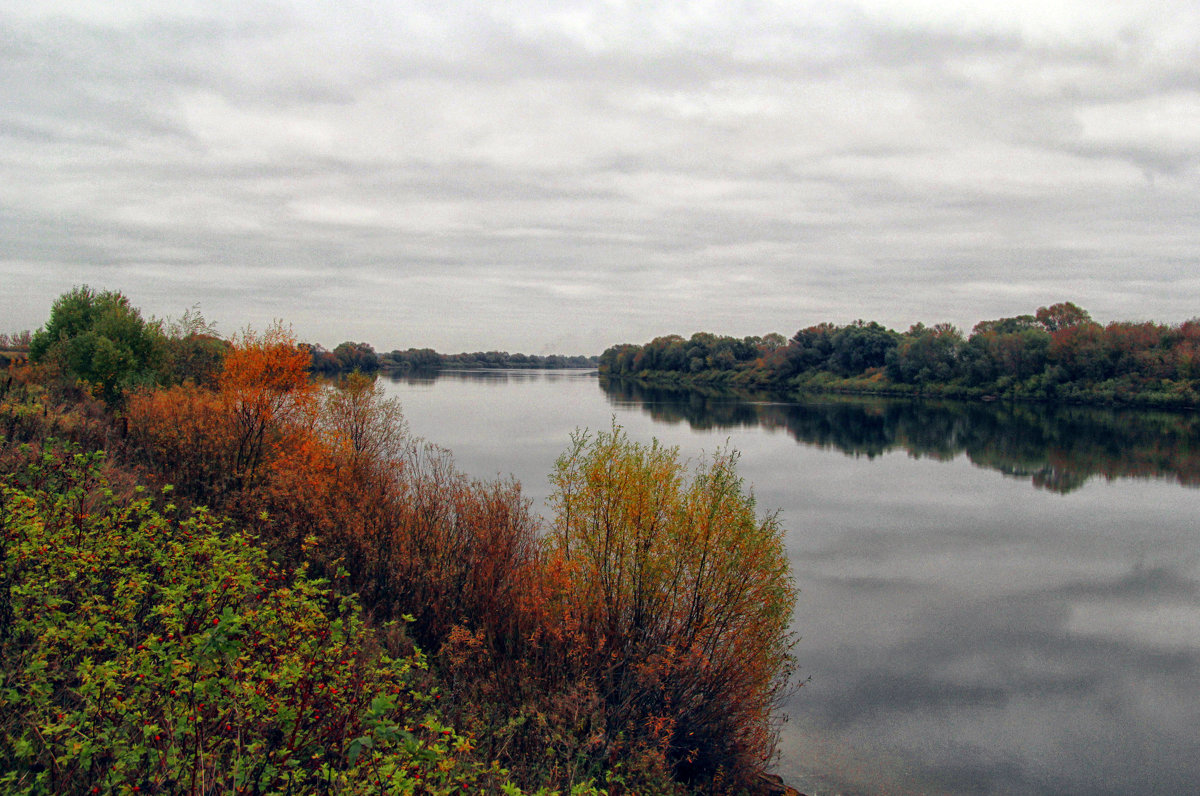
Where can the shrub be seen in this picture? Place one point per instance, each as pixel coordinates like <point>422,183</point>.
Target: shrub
<point>688,599</point>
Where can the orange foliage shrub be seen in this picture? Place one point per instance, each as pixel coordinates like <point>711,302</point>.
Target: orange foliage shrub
<point>180,433</point>
<point>210,442</point>
<point>268,394</point>
<point>691,598</point>
<point>291,459</point>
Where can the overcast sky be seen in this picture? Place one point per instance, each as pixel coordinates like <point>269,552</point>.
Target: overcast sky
<point>557,176</point>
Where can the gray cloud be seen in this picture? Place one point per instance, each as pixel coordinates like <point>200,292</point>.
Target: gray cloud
<point>459,176</point>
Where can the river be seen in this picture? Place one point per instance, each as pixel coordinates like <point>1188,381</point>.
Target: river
<point>995,599</point>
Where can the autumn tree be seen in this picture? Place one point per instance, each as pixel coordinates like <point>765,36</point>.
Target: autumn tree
<point>266,387</point>
<point>1064,315</point>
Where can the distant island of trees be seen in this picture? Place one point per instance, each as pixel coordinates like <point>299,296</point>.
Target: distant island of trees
<point>350,356</point>
<point>1057,354</point>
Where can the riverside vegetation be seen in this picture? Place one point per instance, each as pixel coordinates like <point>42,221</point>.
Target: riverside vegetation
<point>222,576</point>
<point>1058,354</point>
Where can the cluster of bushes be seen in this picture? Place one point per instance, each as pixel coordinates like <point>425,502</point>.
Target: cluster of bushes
<point>99,342</point>
<point>153,650</point>
<point>640,644</point>
<point>1059,353</point>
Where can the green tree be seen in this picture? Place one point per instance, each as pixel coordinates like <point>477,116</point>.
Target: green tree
<point>810,349</point>
<point>926,354</point>
<point>356,356</point>
<point>99,339</point>
<point>860,346</point>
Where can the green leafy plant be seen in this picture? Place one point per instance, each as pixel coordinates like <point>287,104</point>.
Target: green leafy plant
<point>150,651</point>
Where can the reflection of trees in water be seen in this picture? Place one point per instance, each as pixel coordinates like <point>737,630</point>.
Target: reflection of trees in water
<point>1058,448</point>
<point>496,376</point>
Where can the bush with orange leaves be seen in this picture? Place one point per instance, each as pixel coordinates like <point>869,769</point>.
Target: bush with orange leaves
<point>212,443</point>
<point>690,600</point>
<point>291,458</point>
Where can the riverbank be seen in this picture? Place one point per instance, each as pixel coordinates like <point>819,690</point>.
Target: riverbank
<point>1059,354</point>
<point>1169,395</point>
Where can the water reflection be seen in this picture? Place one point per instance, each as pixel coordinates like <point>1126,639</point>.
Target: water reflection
<point>1058,448</point>
<point>496,376</point>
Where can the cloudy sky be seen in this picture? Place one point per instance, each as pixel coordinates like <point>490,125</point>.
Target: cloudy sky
<point>556,175</point>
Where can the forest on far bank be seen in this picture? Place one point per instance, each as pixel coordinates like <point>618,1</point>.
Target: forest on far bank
<point>1056,354</point>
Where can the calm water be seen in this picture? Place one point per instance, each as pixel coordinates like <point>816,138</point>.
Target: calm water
<point>993,599</point>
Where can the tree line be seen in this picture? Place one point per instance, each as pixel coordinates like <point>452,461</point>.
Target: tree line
<point>15,341</point>
<point>1056,354</point>
<point>349,356</point>
<point>222,575</point>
